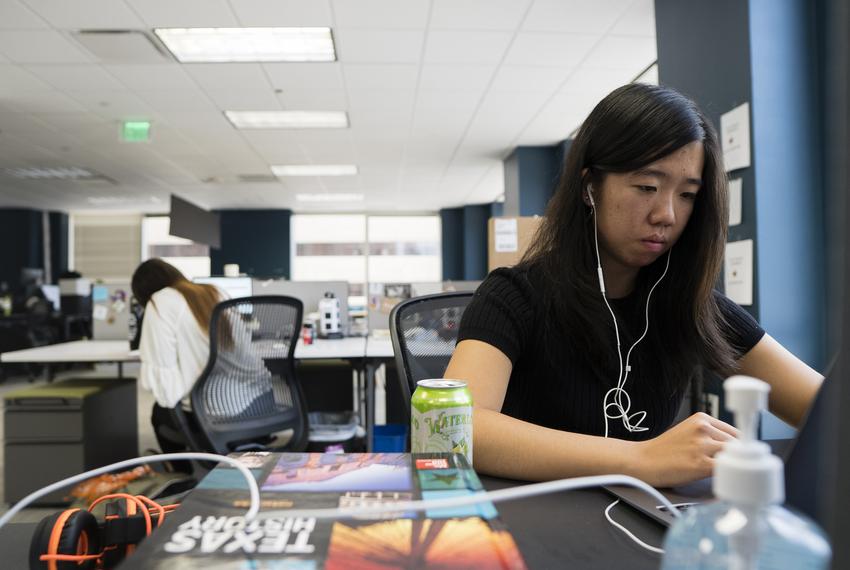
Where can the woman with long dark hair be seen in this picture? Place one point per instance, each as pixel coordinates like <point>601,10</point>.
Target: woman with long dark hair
<point>578,358</point>
<point>175,345</point>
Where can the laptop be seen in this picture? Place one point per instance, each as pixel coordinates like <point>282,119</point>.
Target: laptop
<point>700,492</point>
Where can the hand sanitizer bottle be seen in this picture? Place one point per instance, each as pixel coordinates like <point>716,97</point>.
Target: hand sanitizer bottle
<point>747,529</point>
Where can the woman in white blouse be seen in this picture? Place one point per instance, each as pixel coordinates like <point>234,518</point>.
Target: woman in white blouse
<point>175,345</point>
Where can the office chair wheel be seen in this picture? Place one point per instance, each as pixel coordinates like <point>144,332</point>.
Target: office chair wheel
<point>71,532</point>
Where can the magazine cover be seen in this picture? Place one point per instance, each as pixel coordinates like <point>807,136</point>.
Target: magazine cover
<point>209,529</point>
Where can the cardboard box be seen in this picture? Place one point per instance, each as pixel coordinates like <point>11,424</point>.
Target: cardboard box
<point>508,238</point>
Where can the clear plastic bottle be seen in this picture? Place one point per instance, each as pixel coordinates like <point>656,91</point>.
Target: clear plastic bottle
<point>747,529</point>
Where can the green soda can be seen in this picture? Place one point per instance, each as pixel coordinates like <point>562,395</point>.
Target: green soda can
<point>441,417</point>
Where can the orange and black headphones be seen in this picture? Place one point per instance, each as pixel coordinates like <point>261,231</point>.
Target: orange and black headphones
<point>74,539</point>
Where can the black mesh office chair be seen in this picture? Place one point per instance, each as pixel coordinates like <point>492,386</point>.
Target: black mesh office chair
<point>424,333</point>
<point>248,389</point>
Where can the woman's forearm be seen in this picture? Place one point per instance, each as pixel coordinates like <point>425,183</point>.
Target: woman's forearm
<point>508,447</point>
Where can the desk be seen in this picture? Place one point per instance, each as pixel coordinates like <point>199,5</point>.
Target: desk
<point>569,530</point>
<point>561,530</point>
<point>92,351</point>
<point>364,354</point>
<point>378,351</point>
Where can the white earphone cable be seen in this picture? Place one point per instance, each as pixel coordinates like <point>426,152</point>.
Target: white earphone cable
<point>619,391</point>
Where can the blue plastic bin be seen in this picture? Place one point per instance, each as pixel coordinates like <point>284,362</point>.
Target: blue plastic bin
<point>390,437</point>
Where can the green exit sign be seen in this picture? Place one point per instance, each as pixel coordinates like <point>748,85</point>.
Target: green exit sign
<point>136,131</point>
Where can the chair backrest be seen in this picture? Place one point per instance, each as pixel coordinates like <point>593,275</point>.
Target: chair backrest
<point>248,389</point>
<point>424,333</point>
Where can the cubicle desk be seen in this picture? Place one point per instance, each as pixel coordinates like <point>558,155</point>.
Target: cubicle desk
<point>569,530</point>
<point>89,351</point>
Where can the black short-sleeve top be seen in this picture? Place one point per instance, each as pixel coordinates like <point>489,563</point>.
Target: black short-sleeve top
<point>506,312</point>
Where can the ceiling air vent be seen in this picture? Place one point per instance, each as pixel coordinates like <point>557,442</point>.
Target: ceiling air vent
<point>122,46</point>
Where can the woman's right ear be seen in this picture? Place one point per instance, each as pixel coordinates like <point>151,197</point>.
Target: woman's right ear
<point>587,195</point>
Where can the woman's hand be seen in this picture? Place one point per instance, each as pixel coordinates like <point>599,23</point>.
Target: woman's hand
<point>684,453</point>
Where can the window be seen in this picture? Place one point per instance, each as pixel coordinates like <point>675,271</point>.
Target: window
<point>404,249</point>
<point>192,259</point>
<point>360,249</point>
<point>104,246</point>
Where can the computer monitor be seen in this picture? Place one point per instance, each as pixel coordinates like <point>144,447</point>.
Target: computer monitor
<point>233,287</point>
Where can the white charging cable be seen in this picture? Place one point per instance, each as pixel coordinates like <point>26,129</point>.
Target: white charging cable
<point>619,391</point>
<point>254,491</point>
<point>513,493</point>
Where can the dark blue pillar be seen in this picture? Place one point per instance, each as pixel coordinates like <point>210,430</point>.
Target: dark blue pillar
<point>475,241</point>
<point>451,223</point>
<point>531,175</point>
<point>764,53</point>
<point>258,240</point>
<point>21,236</point>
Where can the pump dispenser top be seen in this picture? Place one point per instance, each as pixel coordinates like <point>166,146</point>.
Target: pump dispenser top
<point>745,471</point>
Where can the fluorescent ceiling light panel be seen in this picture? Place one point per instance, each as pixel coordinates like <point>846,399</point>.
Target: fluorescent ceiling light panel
<point>329,197</point>
<point>227,45</point>
<point>288,119</point>
<point>50,173</point>
<point>315,170</point>
<point>122,200</point>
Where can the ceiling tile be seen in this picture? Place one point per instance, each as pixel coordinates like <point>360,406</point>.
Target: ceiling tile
<point>632,52</point>
<point>366,76</point>
<point>409,14</point>
<point>185,13</point>
<point>74,123</point>
<point>379,46</point>
<point>228,75</point>
<point>382,99</point>
<point>154,76</point>
<point>313,99</point>
<point>15,123</point>
<point>299,13</point>
<point>117,104</point>
<point>460,77</point>
<point>579,16</point>
<point>16,16</point>
<point>43,102</point>
<point>444,113</point>
<point>40,46</point>
<point>79,77</point>
<point>177,100</point>
<point>553,50</point>
<point>524,78</point>
<point>305,75</point>
<point>598,80</point>
<point>86,14</point>
<point>244,99</point>
<point>16,78</point>
<point>466,47</point>
<point>638,20</point>
<point>478,14</point>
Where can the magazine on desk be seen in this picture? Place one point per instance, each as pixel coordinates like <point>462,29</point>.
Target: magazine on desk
<point>209,530</point>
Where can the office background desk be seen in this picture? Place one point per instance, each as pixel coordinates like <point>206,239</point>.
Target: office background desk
<point>89,351</point>
<point>355,350</point>
<point>562,530</point>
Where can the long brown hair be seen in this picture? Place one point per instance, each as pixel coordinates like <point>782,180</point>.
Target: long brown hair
<point>155,274</point>
<point>634,126</point>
